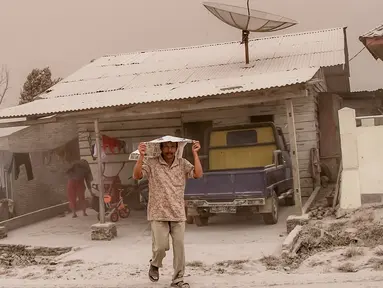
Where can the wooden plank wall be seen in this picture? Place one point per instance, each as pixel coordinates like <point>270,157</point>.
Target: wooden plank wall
<point>134,131</point>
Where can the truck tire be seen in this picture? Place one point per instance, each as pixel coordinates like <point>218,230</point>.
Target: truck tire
<point>201,221</point>
<point>272,217</point>
<point>189,219</point>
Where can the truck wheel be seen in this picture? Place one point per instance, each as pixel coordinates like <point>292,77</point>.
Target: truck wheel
<point>201,221</point>
<point>189,219</point>
<point>272,218</point>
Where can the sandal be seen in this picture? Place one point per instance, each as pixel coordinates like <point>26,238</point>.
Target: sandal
<point>154,274</point>
<point>180,284</point>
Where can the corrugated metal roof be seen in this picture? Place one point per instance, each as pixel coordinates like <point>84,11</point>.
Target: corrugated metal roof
<point>376,32</point>
<point>160,93</point>
<point>167,74</point>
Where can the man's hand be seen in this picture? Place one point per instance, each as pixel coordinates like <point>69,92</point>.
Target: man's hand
<point>142,148</point>
<point>196,146</point>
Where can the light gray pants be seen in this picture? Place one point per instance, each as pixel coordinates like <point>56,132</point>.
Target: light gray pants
<point>160,244</point>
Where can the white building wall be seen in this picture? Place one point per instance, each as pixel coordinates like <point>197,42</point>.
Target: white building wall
<point>362,158</point>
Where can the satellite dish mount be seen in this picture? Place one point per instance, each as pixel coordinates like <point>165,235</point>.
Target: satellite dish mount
<point>245,40</point>
<point>245,35</point>
<point>248,20</point>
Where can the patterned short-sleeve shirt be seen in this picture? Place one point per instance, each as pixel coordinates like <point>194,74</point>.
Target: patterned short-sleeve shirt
<point>167,188</point>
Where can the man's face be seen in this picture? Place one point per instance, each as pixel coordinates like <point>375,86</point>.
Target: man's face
<point>169,150</point>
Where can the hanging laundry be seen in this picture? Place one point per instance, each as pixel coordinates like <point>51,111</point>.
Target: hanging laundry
<point>23,159</point>
<point>109,145</point>
<point>113,144</point>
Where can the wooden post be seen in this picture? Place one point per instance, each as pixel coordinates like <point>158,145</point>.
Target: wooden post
<point>294,155</point>
<point>12,182</point>
<point>99,163</point>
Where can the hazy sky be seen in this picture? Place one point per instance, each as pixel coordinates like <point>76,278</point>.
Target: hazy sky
<point>66,35</point>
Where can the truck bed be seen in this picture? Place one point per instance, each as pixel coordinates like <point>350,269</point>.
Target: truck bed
<point>229,185</point>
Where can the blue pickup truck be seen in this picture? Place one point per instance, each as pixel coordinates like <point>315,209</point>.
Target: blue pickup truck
<point>249,172</point>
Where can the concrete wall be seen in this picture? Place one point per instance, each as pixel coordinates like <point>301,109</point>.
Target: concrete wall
<point>362,160</point>
<point>35,138</point>
<point>34,217</point>
<point>48,187</point>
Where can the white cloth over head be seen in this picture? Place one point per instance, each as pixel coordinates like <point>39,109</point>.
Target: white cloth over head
<point>153,147</point>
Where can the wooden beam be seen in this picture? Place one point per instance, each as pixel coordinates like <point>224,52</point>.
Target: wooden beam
<point>337,185</point>
<point>100,176</point>
<point>294,155</point>
<point>28,122</point>
<point>56,117</point>
<point>311,200</point>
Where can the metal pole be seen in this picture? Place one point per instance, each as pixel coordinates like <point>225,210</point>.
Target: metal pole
<point>368,117</point>
<point>100,177</point>
<point>247,49</point>
<point>245,40</point>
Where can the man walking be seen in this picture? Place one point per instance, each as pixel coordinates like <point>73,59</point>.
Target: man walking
<point>166,206</point>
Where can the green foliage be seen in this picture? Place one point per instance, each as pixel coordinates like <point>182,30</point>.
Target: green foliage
<point>38,81</point>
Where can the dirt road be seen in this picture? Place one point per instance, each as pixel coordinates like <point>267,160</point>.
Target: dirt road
<point>210,250</point>
<point>226,238</point>
<point>267,279</point>
<point>224,254</point>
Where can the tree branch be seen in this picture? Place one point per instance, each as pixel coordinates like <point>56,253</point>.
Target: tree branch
<point>4,82</point>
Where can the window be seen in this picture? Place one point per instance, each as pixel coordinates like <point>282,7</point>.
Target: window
<point>244,137</point>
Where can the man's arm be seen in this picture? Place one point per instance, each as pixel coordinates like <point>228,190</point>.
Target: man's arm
<point>138,171</point>
<point>198,172</point>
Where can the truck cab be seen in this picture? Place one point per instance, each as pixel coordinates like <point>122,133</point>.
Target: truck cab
<point>249,171</point>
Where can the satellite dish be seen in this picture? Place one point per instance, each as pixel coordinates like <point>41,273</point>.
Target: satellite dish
<point>248,20</point>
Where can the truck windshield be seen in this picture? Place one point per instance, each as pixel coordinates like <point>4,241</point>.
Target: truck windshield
<point>242,137</point>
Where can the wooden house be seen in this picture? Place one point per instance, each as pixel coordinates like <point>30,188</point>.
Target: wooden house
<point>185,91</point>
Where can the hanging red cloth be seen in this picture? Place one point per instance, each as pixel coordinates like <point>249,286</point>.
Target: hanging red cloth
<point>112,144</point>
